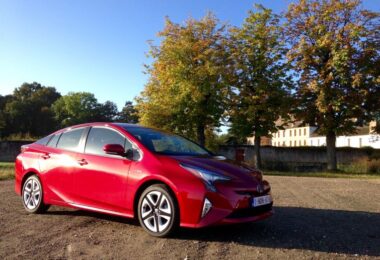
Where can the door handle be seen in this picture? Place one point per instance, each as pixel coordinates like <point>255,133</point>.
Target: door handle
<point>82,162</point>
<point>45,156</point>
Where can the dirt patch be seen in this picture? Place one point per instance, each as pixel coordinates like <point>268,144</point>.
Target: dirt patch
<point>315,218</point>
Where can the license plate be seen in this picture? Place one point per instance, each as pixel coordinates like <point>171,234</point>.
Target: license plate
<point>263,200</point>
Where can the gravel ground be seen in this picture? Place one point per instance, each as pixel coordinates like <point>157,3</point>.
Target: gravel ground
<point>315,218</point>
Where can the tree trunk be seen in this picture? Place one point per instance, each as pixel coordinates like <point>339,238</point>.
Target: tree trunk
<point>201,134</point>
<point>331,151</point>
<point>257,155</point>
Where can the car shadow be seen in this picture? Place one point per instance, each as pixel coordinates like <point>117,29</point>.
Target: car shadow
<point>324,230</point>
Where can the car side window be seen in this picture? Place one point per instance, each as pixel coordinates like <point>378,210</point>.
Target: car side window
<point>98,137</point>
<point>44,140</point>
<point>53,141</point>
<point>70,140</point>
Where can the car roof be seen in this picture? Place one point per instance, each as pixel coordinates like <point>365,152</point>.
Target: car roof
<point>118,124</point>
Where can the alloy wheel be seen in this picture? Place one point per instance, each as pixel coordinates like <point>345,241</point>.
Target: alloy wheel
<point>32,193</point>
<point>156,211</point>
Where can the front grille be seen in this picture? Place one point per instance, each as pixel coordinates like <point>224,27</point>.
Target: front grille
<point>250,212</point>
<point>252,193</point>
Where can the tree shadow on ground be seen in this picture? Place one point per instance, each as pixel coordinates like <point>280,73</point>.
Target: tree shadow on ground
<point>324,230</point>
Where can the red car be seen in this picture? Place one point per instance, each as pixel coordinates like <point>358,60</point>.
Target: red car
<point>128,170</point>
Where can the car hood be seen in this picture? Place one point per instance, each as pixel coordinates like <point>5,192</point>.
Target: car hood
<point>240,172</point>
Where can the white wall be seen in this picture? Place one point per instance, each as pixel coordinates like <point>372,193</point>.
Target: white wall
<point>352,141</point>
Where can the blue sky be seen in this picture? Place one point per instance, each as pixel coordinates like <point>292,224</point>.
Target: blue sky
<point>97,46</point>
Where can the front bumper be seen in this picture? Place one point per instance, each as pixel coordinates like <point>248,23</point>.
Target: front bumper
<point>230,206</point>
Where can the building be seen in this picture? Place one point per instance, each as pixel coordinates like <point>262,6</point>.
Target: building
<point>363,138</point>
<point>296,135</point>
<point>293,136</point>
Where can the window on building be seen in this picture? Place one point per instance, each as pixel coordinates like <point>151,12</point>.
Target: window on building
<point>299,132</point>
<point>290,143</point>
<point>304,131</point>
<point>290,132</point>
<point>283,143</point>
<point>304,142</point>
<point>283,133</point>
<point>295,132</point>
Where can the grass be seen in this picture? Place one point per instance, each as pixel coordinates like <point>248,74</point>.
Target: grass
<point>7,170</point>
<point>325,175</point>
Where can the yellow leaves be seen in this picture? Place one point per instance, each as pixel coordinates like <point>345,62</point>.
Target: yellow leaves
<point>185,80</point>
<point>357,79</point>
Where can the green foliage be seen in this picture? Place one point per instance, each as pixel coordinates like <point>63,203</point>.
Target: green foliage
<point>335,50</point>
<point>75,108</point>
<point>33,111</point>
<point>107,112</point>
<point>261,86</point>
<point>186,91</point>
<point>128,114</point>
<point>29,110</point>
<point>81,107</point>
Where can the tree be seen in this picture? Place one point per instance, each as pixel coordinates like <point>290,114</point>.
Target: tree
<point>76,108</point>
<point>107,112</point>
<point>260,86</point>
<point>129,113</point>
<point>335,51</point>
<point>28,110</point>
<point>4,126</point>
<point>186,89</point>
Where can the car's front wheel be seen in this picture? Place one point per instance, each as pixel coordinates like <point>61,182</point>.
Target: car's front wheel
<point>157,211</point>
<point>32,195</point>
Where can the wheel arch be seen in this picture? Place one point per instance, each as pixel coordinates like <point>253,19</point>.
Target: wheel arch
<point>27,175</point>
<point>147,184</point>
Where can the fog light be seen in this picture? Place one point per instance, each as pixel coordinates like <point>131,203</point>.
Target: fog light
<point>206,207</point>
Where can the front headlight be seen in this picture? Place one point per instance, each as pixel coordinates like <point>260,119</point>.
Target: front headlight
<point>207,176</point>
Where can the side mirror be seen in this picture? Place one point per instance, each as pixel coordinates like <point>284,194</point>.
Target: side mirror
<point>115,149</point>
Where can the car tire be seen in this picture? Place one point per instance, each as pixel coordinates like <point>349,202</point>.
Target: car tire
<point>32,195</point>
<point>157,211</point>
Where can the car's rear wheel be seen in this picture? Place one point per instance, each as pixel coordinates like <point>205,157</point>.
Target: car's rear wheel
<point>32,195</point>
<point>158,211</point>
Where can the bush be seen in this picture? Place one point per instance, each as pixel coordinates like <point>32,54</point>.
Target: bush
<point>362,166</point>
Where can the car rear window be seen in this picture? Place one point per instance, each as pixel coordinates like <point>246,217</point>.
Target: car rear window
<point>70,140</point>
<point>53,141</point>
<point>44,140</point>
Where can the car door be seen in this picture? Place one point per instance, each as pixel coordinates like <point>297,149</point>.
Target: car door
<point>58,164</point>
<point>101,181</point>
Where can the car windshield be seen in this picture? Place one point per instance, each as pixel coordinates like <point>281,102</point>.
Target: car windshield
<point>164,143</point>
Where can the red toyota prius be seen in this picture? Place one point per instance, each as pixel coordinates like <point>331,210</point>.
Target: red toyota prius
<point>128,170</point>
